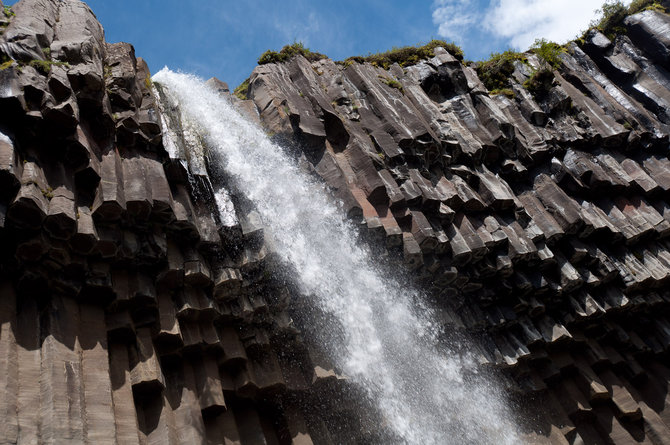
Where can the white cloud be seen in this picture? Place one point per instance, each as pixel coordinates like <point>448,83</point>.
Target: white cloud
<point>299,29</point>
<point>523,21</point>
<point>454,18</point>
<point>519,22</point>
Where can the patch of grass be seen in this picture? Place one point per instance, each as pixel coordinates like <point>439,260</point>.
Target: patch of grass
<point>8,12</point>
<point>496,71</point>
<point>47,52</point>
<point>242,90</point>
<point>508,92</point>
<point>549,52</point>
<point>393,84</point>
<point>612,14</point>
<point>147,82</point>
<point>406,55</point>
<point>48,193</point>
<point>6,65</point>
<point>44,66</point>
<point>287,52</point>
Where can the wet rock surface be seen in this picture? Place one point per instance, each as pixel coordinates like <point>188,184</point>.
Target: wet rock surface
<point>132,310</point>
<point>136,306</point>
<point>539,220</point>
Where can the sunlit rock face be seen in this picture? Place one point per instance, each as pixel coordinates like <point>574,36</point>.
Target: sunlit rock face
<point>503,265</point>
<point>537,220</point>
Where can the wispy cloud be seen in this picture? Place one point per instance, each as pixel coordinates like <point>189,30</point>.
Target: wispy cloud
<point>299,30</point>
<point>455,18</point>
<point>517,22</point>
<point>523,21</point>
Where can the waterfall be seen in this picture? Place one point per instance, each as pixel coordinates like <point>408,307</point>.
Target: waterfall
<point>425,393</point>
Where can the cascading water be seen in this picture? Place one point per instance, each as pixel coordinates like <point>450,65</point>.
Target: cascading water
<point>425,394</point>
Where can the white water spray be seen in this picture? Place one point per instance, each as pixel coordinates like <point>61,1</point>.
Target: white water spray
<point>425,395</point>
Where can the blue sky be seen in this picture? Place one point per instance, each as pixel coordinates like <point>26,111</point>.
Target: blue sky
<point>224,38</point>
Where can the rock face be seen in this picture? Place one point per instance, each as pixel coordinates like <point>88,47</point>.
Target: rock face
<point>131,311</point>
<point>136,306</point>
<point>540,220</point>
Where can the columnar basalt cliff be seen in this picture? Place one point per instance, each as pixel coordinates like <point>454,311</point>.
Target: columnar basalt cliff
<point>141,303</point>
<point>539,220</point>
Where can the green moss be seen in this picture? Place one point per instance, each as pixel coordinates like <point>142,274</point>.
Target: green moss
<point>407,55</point>
<point>147,82</point>
<point>496,71</point>
<point>8,12</point>
<point>47,52</point>
<point>6,65</point>
<point>287,52</point>
<point>242,90</point>
<point>505,92</point>
<point>44,66</point>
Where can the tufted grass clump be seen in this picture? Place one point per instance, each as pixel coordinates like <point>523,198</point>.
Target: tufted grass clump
<point>549,55</point>
<point>507,92</point>
<point>148,83</point>
<point>394,84</point>
<point>406,55</point>
<point>548,52</point>
<point>242,90</point>
<point>289,51</point>
<point>7,10</point>
<point>44,66</point>
<point>496,71</point>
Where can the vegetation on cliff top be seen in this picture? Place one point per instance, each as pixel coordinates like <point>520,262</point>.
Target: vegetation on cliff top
<point>406,55</point>
<point>287,52</point>
<point>549,55</point>
<point>613,14</point>
<point>496,71</point>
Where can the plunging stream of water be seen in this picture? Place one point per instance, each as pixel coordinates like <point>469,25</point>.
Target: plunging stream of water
<point>425,394</point>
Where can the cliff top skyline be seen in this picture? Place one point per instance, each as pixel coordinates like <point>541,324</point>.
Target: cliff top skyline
<point>224,39</point>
